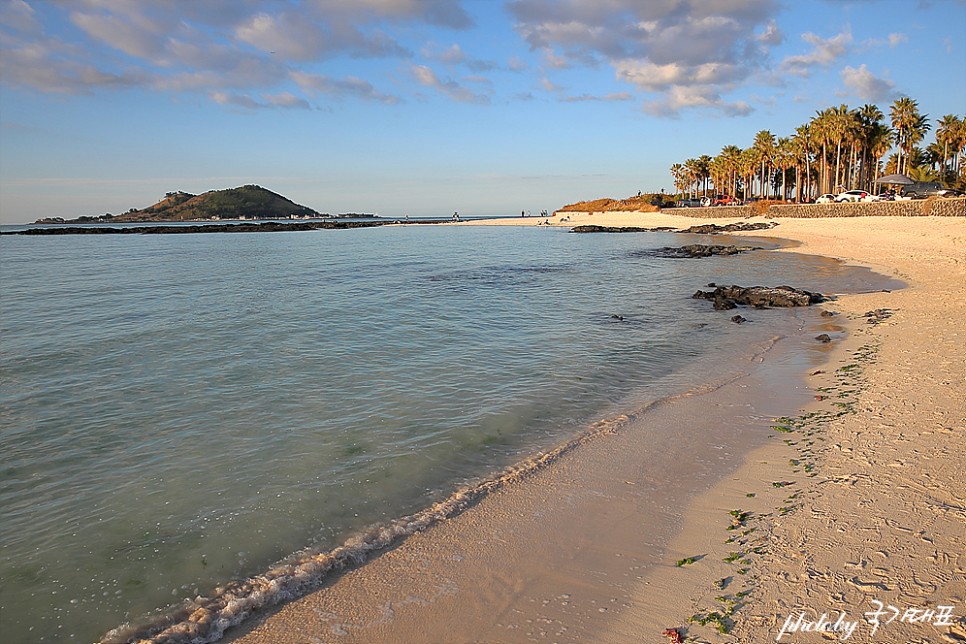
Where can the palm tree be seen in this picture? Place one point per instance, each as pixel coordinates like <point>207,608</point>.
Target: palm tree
<point>678,177</point>
<point>934,156</point>
<point>719,171</point>
<point>923,173</point>
<point>704,167</point>
<point>839,127</point>
<point>784,159</point>
<point>821,129</point>
<point>872,132</point>
<point>747,162</point>
<point>910,128</point>
<point>860,142</point>
<point>764,148</point>
<point>946,134</point>
<point>880,142</point>
<point>730,157</point>
<point>693,167</point>
<point>869,120</point>
<point>917,132</point>
<point>803,142</point>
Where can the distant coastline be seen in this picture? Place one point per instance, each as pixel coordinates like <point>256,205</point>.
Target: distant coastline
<point>108,218</point>
<point>176,227</point>
<point>244,203</point>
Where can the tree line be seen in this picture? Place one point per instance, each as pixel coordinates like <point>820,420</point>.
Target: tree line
<point>838,149</point>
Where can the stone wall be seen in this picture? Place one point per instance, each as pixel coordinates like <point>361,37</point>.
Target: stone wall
<point>716,212</point>
<point>915,208</point>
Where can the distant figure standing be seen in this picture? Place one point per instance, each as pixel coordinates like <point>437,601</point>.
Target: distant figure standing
<point>523,213</point>
<point>456,216</point>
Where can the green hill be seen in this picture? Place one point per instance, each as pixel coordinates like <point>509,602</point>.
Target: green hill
<point>246,202</point>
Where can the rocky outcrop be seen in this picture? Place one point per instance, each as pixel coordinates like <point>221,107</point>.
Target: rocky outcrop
<point>714,229</point>
<point>729,297</point>
<point>594,228</point>
<point>694,251</point>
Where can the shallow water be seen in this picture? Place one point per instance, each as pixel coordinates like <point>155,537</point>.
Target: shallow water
<point>178,411</point>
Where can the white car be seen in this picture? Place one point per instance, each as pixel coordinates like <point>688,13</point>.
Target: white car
<point>826,198</point>
<point>852,196</point>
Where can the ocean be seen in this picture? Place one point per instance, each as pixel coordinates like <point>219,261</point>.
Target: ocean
<point>179,411</point>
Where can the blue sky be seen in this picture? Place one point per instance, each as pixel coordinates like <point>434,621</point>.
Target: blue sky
<point>423,107</point>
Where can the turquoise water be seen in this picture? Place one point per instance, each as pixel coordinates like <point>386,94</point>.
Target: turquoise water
<point>180,410</point>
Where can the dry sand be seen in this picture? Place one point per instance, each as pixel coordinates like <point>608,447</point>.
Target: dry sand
<point>860,500</point>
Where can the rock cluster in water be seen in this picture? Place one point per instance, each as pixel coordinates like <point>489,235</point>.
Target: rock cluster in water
<point>704,229</point>
<point>702,250</point>
<point>594,228</point>
<point>729,297</point>
<point>714,229</point>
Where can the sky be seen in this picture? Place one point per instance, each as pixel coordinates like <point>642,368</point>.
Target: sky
<point>425,107</point>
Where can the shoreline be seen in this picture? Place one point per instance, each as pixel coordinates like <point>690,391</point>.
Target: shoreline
<point>568,545</point>
<point>669,595</point>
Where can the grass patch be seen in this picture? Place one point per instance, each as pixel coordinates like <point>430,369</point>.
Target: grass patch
<point>714,619</point>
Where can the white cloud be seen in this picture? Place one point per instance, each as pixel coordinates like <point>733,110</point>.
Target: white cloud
<point>679,98</point>
<point>19,16</point>
<point>427,77</point>
<point>341,88</point>
<point>454,55</point>
<point>517,64</point>
<point>285,34</point>
<point>139,36</point>
<point>862,83</point>
<point>688,53</point>
<point>772,35</point>
<point>897,39</point>
<point>444,13</point>
<point>283,100</point>
<point>230,50</point>
<point>607,98</point>
<point>825,51</point>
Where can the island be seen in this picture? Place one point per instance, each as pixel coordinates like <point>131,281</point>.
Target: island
<point>245,203</point>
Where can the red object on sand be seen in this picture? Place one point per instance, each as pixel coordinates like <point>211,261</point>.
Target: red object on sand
<point>673,636</point>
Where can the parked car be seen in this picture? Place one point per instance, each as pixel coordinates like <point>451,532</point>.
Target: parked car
<point>826,198</point>
<point>726,200</point>
<point>689,203</point>
<point>923,189</point>
<point>852,196</point>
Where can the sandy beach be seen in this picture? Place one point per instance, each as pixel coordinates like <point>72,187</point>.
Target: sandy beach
<point>850,499</point>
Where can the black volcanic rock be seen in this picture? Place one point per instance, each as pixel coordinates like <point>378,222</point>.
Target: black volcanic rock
<point>594,228</point>
<point>714,229</point>
<point>701,250</point>
<point>729,297</point>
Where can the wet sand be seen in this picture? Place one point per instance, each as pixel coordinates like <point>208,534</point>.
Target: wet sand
<point>861,500</point>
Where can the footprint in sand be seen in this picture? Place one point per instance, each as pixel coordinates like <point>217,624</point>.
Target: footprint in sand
<point>868,586</point>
